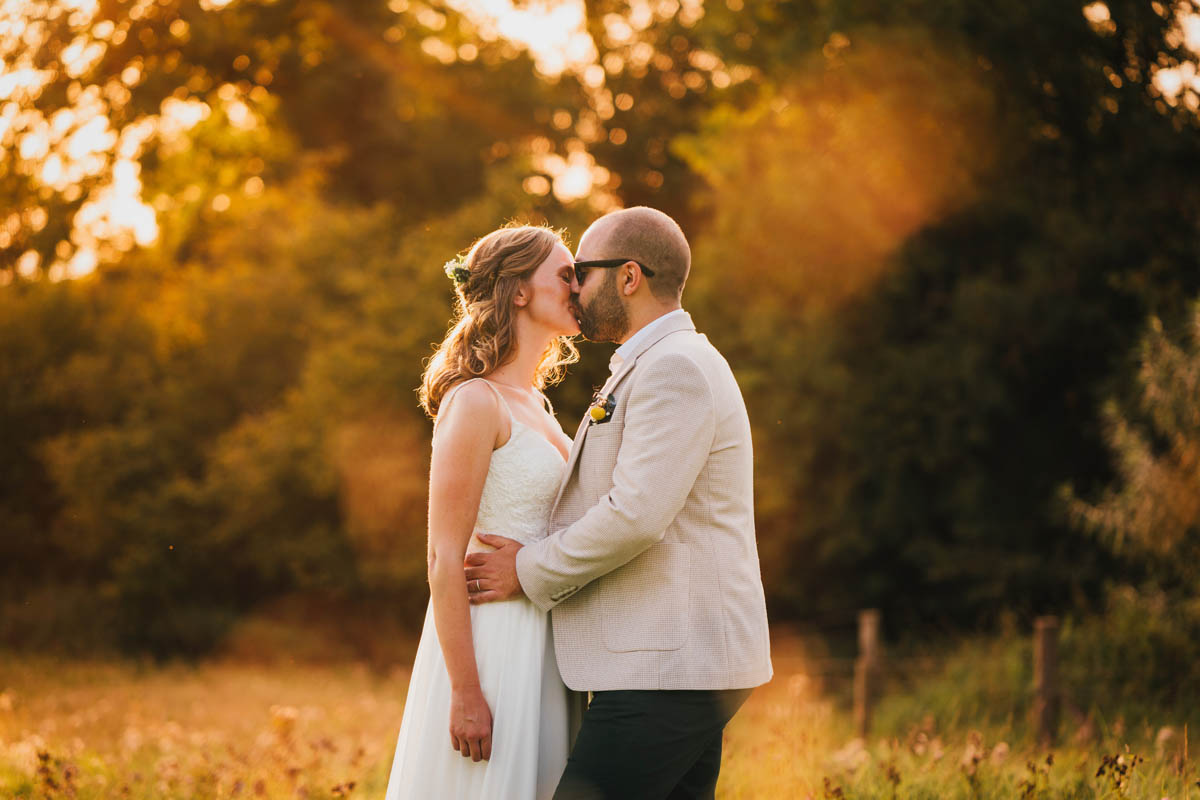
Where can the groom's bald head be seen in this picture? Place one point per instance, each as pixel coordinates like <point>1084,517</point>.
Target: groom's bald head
<point>646,235</point>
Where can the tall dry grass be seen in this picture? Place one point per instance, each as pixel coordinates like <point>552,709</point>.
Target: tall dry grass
<point>227,728</point>
<point>217,730</point>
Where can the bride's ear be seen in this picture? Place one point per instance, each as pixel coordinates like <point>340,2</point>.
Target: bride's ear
<point>521,297</point>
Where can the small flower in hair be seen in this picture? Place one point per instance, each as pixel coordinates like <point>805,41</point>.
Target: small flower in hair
<point>456,270</point>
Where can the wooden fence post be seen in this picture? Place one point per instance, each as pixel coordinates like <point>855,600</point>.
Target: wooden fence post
<point>866,670</point>
<point>1045,679</point>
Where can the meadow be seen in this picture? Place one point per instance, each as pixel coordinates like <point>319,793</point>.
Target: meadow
<point>949,248</point>
<point>233,726</point>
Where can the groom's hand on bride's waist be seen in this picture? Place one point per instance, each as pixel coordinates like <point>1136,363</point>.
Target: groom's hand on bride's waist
<point>493,576</point>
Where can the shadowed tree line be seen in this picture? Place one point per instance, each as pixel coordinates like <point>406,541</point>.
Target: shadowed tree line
<point>928,236</point>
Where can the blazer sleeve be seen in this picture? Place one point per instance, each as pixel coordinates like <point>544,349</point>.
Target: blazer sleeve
<point>669,426</point>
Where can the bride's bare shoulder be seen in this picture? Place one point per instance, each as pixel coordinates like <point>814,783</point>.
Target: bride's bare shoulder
<point>470,408</point>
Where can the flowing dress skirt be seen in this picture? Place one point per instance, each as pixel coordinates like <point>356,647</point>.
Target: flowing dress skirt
<point>532,713</point>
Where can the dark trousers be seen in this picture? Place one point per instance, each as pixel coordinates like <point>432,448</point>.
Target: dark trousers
<point>649,745</point>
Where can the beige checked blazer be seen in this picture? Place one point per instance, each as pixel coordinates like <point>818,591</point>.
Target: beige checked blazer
<point>651,569</point>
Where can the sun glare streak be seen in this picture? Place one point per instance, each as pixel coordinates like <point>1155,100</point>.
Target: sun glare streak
<point>821,184</point>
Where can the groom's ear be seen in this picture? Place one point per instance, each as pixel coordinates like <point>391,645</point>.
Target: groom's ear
<point>630,279</point>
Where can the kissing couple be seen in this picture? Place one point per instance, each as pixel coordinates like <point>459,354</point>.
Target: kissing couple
<point>621,565</point>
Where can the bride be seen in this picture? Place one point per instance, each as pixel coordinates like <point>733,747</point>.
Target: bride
<point>487,715</point>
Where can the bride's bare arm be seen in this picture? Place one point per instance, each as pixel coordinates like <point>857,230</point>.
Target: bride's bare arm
<point>464,437</point>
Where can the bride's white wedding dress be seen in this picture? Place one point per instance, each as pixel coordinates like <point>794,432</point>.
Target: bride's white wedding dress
<point>513,649</point>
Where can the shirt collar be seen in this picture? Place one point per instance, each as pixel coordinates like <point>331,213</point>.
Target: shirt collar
<point>622,352</point>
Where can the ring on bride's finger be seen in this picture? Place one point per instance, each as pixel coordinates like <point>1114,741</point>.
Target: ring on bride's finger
<point>477,584</point>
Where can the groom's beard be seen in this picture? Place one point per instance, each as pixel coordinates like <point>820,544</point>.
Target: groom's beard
<point>604,319</point>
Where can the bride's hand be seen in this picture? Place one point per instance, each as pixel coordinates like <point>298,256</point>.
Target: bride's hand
<point>471,723</point>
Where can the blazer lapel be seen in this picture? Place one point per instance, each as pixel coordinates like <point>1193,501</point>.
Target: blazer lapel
<point>572,457</point>
<point>683,323</point>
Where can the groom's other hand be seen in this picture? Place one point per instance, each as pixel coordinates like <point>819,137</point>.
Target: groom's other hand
<point>493,576</point>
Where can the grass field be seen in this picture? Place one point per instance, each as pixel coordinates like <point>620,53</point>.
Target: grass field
<point>229,728</point>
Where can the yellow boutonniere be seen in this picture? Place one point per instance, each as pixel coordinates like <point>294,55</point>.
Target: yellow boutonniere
<point>601,408</point>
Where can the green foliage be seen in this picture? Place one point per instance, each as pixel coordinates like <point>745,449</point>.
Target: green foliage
<point>1152,513</point>
<point>1138,659</point>
<point>41,326</point>
<point>928,280</point>
<point>925,234</point>
<point>1125,672</point>
<point>1150,518</point>
<point>244,424</point>
<point>349,83</point>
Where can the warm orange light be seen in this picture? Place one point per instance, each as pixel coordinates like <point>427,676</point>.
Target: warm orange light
<point>553,32</point>
<point>871,141</point>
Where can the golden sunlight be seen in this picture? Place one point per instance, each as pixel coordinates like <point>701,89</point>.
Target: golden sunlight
<point>553,32</point>
<point>1181,82</point>
<point>1096,13</point>
<point>857,153</point>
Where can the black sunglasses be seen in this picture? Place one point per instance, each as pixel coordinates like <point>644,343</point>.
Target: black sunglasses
<point>581,267</point>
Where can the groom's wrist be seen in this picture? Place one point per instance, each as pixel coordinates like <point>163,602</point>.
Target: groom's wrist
<point>517,558</point>
<point>527,584</point>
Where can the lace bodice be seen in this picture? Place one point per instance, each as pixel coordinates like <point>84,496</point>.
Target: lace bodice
<point>522,482</point>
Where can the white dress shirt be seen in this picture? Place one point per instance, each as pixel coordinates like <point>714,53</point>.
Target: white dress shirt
<point>622,352</point>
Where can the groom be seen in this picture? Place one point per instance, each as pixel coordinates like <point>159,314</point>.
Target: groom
<point>651,569</point>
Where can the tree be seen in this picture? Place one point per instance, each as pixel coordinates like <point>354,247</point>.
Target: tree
<point>407,106</point>
<point>1152,510</point>
<point>927,282</point>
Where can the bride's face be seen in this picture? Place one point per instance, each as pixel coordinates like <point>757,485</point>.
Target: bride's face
<point>549,296</point>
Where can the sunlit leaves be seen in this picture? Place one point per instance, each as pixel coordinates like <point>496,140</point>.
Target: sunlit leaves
<point>92,88</point>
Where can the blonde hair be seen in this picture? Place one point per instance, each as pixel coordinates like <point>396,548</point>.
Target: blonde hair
<point>483,332</point>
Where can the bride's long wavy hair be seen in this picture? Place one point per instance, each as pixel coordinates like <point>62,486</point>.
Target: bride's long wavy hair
<point>483,332</point>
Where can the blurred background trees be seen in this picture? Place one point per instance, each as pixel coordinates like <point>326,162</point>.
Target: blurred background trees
<point>927,236</point>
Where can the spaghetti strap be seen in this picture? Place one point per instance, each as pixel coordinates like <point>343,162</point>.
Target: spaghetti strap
<point>499,395</point>
<point>495,391</point>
